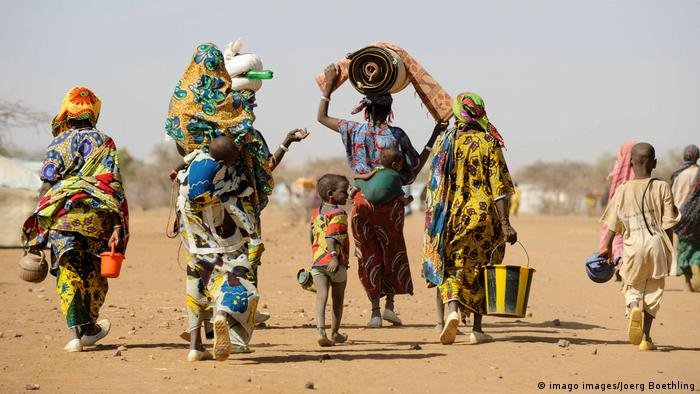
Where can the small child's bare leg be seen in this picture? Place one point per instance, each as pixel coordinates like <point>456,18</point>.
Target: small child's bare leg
<point>338,295</point>
<point>322,285</point>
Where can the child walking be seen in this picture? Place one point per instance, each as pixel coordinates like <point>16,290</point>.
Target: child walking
<point>642,210</point>
<point>330,246</point>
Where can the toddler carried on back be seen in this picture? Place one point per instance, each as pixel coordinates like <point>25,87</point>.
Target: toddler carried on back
<point>383,184</point>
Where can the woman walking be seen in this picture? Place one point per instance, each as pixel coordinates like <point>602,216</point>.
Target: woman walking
<point>82,212</point>
<point>467,213</point>
<point>686,194</point>
<point>383,265</point>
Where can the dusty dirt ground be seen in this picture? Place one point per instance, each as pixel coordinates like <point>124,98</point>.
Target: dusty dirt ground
<point>149,298</point>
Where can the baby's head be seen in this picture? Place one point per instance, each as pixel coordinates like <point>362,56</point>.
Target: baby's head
<point>333,188</point>
<point>643,159</point>
<point>224,150</point>
<point>392,158</point>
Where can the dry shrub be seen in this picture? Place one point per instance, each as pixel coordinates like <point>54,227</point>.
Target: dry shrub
<point>564,184</point>
<point>147,185</point>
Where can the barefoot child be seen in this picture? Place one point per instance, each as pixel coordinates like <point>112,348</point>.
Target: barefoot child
<point>383,185</point>
<point>330,245</point>
<point>642,210</point>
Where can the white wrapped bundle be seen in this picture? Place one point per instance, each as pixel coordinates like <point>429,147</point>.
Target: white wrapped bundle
<point>237,64</point>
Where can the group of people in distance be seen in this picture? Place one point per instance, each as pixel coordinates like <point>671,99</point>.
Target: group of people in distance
<point>224,181</point>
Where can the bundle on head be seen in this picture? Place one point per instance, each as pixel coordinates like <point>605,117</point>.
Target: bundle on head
<point>377,71</point>
<point>237,64</point>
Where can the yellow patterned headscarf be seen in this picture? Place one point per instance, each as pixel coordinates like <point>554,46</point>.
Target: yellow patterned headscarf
<point>203,106</point>
<point>80,103</point>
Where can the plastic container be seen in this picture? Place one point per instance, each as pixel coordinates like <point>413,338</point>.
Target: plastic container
<point>507,288</point>
<point>306,280</point>
<point>111,263</point>
<point>259,74</point>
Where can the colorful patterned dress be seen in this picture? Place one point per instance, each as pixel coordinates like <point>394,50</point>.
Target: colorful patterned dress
<point>383,265</point>
<point>77,216</point>
<point>686,195</point>
<point>332,224</point>
<point>216,224</point>
<point>468,175</point>
<point>204,106</point>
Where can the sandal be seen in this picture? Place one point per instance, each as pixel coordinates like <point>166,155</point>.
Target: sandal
<point>89,340</point>
<point>449,332</point>
<point>222,341</point>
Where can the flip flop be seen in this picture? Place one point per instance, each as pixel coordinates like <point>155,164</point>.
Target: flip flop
<point>375,322</point>
<point>197,355</point>
<point>89,340</point>
<point>647,345</point>
<point>449,332</point>
<point>634,330</point>
<point>222,341</point>
<point>74,345</point>
<point>240,349</point>
<point>479,337</point>
<point>391,317</point>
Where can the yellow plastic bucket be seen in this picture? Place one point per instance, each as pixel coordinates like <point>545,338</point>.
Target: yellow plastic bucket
<point>507,288</point>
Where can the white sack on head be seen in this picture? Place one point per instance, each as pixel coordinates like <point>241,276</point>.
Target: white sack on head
<point>238,64</point>
<point>239,83</point>
<point>232,49</point>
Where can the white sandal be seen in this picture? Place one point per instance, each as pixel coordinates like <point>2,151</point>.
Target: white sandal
<point>197,355</point>
<point>391,317</point>
<point>449,331</point>
<point>89,340</point>
<point>479,337</point>
<point>222,340</point>
<point>73,345</point>
<point>375,322</point>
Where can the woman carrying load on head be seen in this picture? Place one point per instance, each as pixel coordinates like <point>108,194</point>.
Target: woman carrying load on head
<point>82,212</point>
<point>220,223</point>
<point>383,265</point>
<point>467,213</point>
<point>686,194</point>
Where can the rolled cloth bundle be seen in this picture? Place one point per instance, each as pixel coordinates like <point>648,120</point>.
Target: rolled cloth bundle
<point>375,71</point>
<point>433,96</point>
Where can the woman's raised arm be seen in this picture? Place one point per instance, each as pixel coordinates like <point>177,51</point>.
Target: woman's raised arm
<point>322,116</point>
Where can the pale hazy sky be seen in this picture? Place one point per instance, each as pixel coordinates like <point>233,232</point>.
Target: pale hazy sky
<point>561,79</point>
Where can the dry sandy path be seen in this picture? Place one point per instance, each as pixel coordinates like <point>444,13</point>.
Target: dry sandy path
<point>149,298</point>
